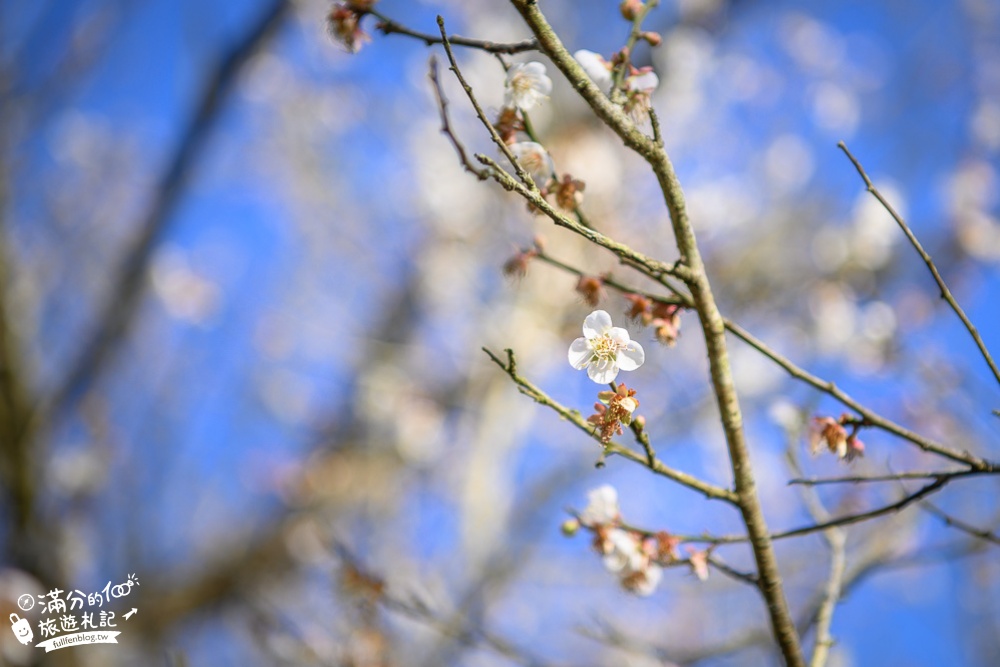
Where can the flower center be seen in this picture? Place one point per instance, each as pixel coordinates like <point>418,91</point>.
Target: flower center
<point>605,348</point>
<point>521,84</point>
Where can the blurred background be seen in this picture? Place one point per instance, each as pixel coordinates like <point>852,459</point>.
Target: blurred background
<point>245,285</point>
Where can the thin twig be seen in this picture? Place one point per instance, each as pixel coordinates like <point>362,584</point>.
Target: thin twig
<point>839,521</point>
<point>743,577</point>
<point>481,174</point>
<point>528,182</point>
<point>652,268</point>
<point>959,524</point>
<point>861,479</point>
<point>836,540</point>
<point>870,417</point>
<point>945,292</point>
<point>387,26</point>
<point>530,390</point>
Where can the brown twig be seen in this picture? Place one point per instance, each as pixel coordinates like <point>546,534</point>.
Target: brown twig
<point>836,540</point>
<point>839,521</point>
<point>945,292</point>
<point>870,417</point>
<point>862,479</point>
<point>530,390</point>
<point>481,174</point>
<point>387,26</point>
<point>959,524</point>
<point>528,182</point>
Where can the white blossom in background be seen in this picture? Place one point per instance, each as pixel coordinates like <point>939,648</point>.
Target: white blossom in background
<point>602,507</point>
<point>597,68</point>
<point>535,160</point>
<point>604,349</point>
<point>526,85</point>
<point>622,551</point>
<point>643,581</point>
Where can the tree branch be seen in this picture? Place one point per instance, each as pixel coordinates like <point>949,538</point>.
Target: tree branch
<point>945,292</point>
<point>389,27</point>
<point>713,325</point>
<point>573,416</point>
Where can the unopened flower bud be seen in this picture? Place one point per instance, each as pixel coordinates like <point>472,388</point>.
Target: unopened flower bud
<point>591,288</point>
<point>570,527</point>
<point>653,38</point>
<point>630,9</point>
<point>569,192</point>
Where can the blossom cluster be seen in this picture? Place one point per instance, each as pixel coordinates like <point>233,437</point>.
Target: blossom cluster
<point>665,318</point>
<point>635,557</point>
<point>614,411</point>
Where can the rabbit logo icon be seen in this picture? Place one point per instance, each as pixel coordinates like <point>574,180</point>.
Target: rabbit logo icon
<point>21,628</point>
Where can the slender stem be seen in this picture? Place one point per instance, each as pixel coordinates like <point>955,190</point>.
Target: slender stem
<point>862,479</point>
<point>959,524</point>
<point>836,540</point>
<point>839,521</point>
<point>945,292</point>
<point>387,26</point>
<point>870,417</point>
<point>528,389</point>
<point>521,173</point>
<point>481,174</point>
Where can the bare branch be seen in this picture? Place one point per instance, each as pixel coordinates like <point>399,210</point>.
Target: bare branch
<point>959,524</point>
<point>521,173</point>
<point>861,479</point>
<point>836,540</point>
<point>573,416</point>
<point>870,417</point>
<point>945,292</point>
<point>839,521</point>
<point>389,27</point>
<point>481,174</point>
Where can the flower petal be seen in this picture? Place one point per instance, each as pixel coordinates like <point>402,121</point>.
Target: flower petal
<point>631,356</point>
<point>603,372</point>
<point>619,335</point>
<point>596,68</point>
<point>647,82</point>
<point>579,354</point>
<point>596,324</point>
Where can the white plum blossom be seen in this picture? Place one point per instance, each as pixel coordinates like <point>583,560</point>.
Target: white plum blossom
<point>644,580</point>
<point>597,68</point>
<point>625,556</point>
<point>622,551</point>
<point>604,349</point>
<point>602,507</point>
<point>527,84</point>
<point>535,160</point>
